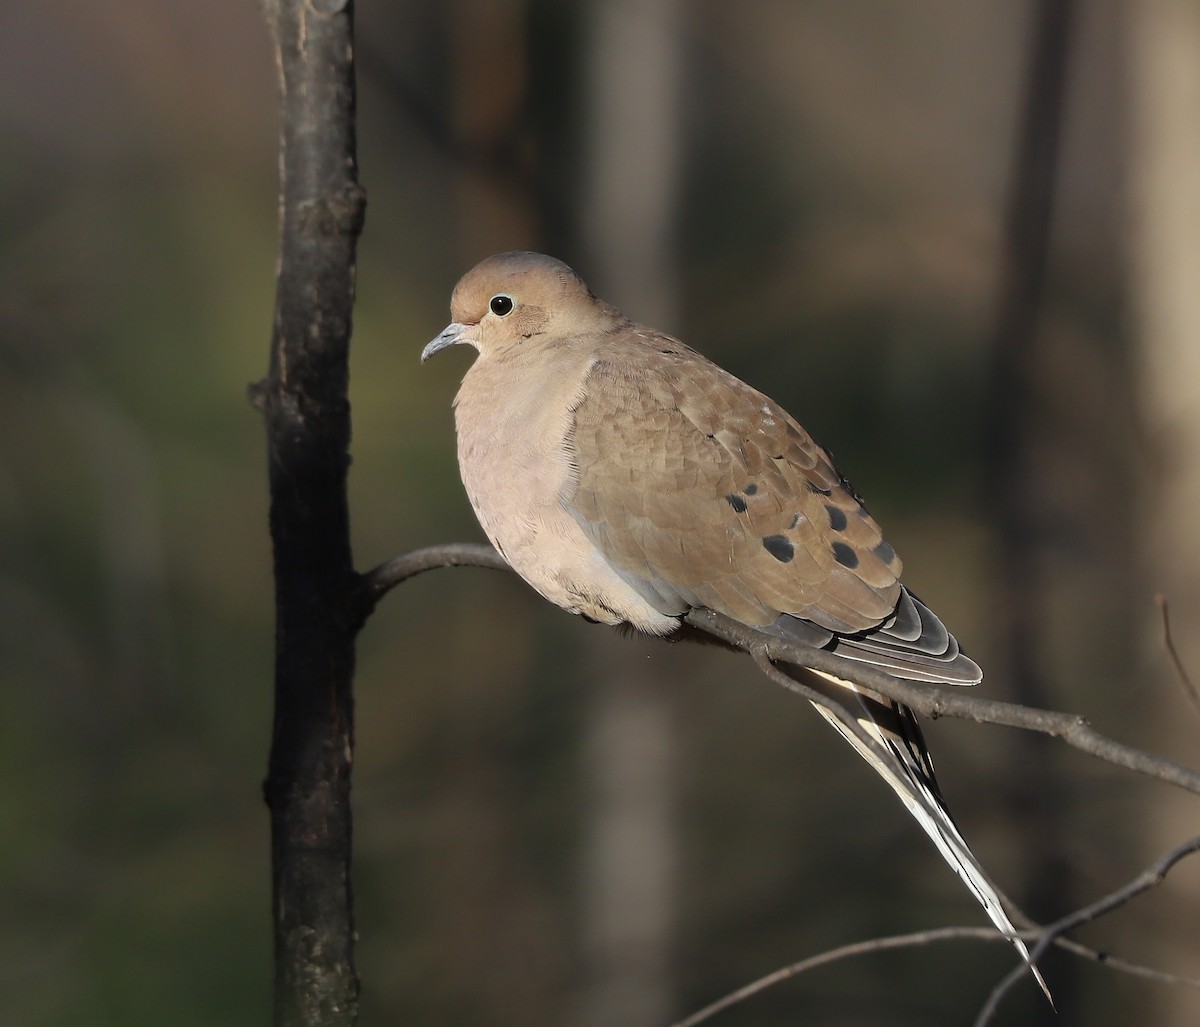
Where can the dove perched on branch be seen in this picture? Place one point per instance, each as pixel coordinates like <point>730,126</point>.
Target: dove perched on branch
<point>629,479</point>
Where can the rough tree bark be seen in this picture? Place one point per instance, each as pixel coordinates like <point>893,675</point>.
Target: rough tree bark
<point>304,399</point>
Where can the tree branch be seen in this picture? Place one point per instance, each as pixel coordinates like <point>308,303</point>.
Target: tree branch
<point>915,939</point>
<point>1121,964</point>
<point>1151,877</point>
<point>1039,939</point>
<point>378,582</point>
<point>927,700</point>
<point>1185,679</point>
<point>934,701</point>
<point>304,399</point>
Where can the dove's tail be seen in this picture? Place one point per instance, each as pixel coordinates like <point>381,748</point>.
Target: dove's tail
<point>910,773</point>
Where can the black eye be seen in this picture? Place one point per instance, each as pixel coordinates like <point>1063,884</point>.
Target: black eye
<point>500,305</point>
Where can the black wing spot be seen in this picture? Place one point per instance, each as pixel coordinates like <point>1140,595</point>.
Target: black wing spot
<point>737,502</point>
<point>750,489</point>
<point>779,547</point>
<point>837,518</point>
<point>844,555</point>
<point>885,552</point>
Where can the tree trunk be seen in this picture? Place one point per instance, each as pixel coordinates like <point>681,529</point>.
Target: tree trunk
<point>628,878</point>
<point>1164,37</point>
<point>304,398</point>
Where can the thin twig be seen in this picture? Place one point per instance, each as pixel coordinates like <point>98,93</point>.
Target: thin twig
<point>452,554</point>
<point>1125,966</point>
<point>1039,938</point>
<point>859,948</point>
<point>1185,679</point>
<point>377,582</point>
<point>1149,878</point>
<point>773,673</point>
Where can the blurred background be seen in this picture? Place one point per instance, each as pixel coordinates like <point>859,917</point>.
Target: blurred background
<point>555,825</point>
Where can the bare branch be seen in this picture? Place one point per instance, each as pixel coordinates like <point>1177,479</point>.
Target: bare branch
<point>1149,878</point>
<point>773,673</point>
<point>1125,966</point>
<point>928,700</point>
<point>933,701</point>
<point>379,581</point>
<point>1185,679</point>
<point>1039,938</point>
<point>914,939</point>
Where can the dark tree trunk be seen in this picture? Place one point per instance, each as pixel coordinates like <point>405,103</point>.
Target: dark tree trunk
<point>304,399</point>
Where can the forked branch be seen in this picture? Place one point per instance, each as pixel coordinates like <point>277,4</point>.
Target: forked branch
<point>1039,939</point>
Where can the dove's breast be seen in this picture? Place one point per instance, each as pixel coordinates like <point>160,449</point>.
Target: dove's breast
<point>515,465</point>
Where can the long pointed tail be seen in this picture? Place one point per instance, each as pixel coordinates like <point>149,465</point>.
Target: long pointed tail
<point>910,774</point>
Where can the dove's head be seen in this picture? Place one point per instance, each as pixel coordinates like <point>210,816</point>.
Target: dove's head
<point>516,299</point>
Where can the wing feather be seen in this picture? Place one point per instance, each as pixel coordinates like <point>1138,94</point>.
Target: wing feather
<point>737,508</point>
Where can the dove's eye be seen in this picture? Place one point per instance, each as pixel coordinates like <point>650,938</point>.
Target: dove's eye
<point>500,304</point>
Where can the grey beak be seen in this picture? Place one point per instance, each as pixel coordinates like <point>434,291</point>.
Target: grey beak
<point>451,336</point>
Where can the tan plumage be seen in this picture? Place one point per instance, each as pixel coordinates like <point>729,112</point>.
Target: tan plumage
<point>629,479</point>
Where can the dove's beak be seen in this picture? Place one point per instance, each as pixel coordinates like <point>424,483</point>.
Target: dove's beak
<point>453,334</point>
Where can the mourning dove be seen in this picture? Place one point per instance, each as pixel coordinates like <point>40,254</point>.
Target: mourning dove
<point>629,479</point>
